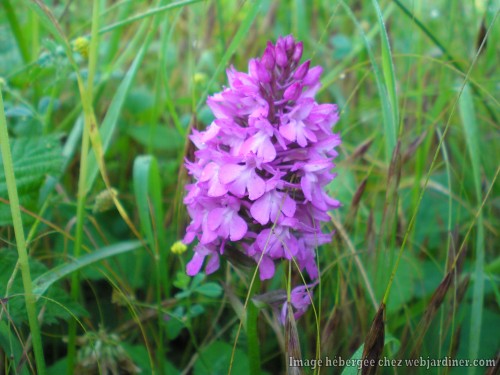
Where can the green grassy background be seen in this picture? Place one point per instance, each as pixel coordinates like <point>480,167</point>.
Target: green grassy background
<point>98,99</point>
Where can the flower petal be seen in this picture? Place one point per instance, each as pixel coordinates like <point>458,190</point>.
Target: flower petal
<point>256,187</point>
<point>266,150</point>
<point>266,268</point>
<point>194,266</point>
<point>289,206</point>
<point>261,209</point>
<point>208,172</point>
<point>288,131</point>
<point>215,218</point>
<point>238,228</point>
<point>213,263</point>
<point>230,172</point>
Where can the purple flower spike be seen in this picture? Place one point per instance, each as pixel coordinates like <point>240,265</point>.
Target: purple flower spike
<point>261,168</point>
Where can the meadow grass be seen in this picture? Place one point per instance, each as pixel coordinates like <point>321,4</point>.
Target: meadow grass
<point>97,102</point>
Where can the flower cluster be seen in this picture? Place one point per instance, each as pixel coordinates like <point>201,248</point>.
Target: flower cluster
<point>262,165</point>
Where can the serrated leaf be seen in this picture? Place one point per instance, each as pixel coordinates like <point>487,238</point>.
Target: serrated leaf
<point>34,159</point>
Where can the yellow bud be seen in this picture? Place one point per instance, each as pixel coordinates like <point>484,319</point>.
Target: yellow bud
<point>199,78</point>
<point>178,248</point>
<point>81,45</point>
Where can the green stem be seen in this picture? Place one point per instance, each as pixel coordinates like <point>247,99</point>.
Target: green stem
<point>252,331</point>
<point>20,240</point>
<point>35,47</point>
<point>82,187</point>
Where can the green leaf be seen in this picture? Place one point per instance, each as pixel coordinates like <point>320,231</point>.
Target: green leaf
<point>158,137</point>
<point>12,348</point>
<point>139,100</point>
<point>353,370</point>
<point>108,125</point>
<point>148,195</point>
<point>215,359</point>
<point>181,280</point>
<point>195,310</point>
<point>43,282</point>
<point>173,327</point>
<point>209,290</point>
<point>58,304</point>
<point>358,354</point>
<point>141,358</point>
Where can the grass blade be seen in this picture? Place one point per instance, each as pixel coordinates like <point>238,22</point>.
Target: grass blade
<point>237,41</point>
<point>253,332</point>
<point>390,132</point>
<point>451,58</point>
<point>147,189</point>
<point>388,68</point>
<point>109,123</point>
<point>43,282</point>
<point>16,30</point>
<point>10,180</point>
<point>149,13</point>
<point>468,116</point>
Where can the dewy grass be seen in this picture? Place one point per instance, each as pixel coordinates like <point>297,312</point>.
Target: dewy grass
<point>20,240</point>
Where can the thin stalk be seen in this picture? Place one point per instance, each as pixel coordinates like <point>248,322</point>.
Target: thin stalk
<point>115,37</point>
<point>160,251</point>
<point>82,188</point>
<point>149,13</point>
<point>253,333</point>
<point>20,240</point>
<point>449,56</point>
<point>35,47</point>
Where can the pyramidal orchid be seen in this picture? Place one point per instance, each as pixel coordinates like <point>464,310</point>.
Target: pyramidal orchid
<point>261,167</point>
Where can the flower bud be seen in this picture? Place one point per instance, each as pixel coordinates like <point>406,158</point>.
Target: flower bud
<point>312,76</point>
<point>289,43</point>
<point>281,57</point>
<point>81,45</point>
<point>268,57</point>
<point>302,70</point>
<point>297,52</point>
<point>178,247</point>
<point>257,70</point>
<point>293,92</point>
